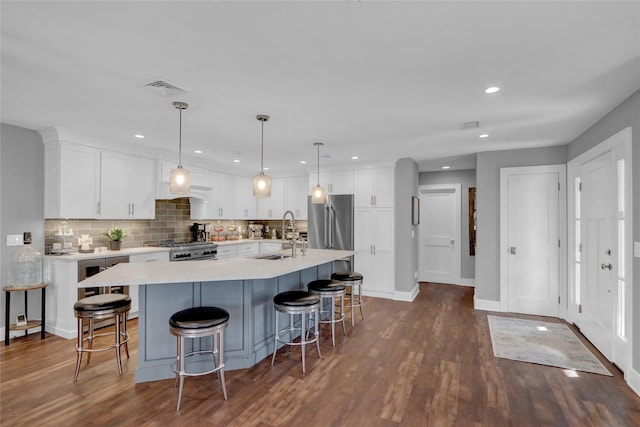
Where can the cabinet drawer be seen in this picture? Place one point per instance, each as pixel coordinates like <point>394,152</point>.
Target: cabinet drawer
<point>248,249</point>
<point>227,251</point>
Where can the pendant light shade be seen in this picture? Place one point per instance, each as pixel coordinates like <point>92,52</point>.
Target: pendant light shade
<point>180,178</point>
<point>318,195</point>
<point>262,182</point>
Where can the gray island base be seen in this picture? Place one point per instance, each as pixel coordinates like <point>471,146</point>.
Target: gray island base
<point>244,287</point>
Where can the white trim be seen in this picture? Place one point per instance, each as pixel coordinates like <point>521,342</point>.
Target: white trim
<point>485,304</point>
<point>633,379</point>
<point>561,170</point>
<point>457,188</point>
<point>407,296</point>
<point>467,282</point>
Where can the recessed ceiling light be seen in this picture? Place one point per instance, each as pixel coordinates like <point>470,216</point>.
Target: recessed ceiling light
<point>484,135</point>
<point>236,161</point>
<point>446,167</point>
<point>139,136</point>
<point>492,89</point>
<point>354,157</point>
<point>197,151</point>
<point>304,162</point>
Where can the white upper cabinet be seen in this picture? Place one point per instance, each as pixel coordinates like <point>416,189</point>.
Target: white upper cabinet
<point>72,181</point>
<point>334,182</point>
<point>374,187</point>
<point>272,207</point>
<point>221,196</point>
<point>127,186</point>
<point>244,202</point>
<point>199,179</point>
<point>295,195</point>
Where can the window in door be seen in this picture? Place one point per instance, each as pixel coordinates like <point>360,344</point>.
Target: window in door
<point>577,244</point>
<point>621,326</point>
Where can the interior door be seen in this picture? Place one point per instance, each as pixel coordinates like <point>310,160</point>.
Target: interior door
<point>598,267</point>
<point>439,236</point>
<point>532,241</point>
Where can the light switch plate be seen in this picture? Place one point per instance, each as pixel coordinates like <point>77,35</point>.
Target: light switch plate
<point>14,239</point>
<point>636,249</point>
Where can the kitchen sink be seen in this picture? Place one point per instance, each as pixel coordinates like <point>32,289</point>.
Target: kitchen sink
<point>272,256</point>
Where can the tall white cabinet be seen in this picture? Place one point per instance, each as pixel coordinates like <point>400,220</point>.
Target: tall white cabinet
<point>374,230</point>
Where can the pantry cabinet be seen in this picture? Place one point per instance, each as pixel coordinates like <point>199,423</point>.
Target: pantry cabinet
<point>374,187</point>
<point>374,250</point>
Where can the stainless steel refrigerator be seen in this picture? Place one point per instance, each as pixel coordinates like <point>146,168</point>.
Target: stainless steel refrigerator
<point>330,226</point>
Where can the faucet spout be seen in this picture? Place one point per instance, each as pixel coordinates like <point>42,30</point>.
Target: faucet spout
<point>293,231</point>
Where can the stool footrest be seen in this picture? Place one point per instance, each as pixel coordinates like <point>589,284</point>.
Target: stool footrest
<point>220,366</point>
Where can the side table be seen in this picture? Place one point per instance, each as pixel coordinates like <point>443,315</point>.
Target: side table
<point>30,323</point>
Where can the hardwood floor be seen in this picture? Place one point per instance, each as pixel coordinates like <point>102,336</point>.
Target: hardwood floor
<point>425,363</point>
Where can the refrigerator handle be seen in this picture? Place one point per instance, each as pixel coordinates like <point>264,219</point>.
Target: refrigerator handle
<point>331,222</point>
<point>326,226</point>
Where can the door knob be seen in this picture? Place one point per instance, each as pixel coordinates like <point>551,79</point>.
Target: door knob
<point>606,266</point>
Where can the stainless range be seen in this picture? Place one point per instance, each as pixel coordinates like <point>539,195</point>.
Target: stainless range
<point>188,251</point>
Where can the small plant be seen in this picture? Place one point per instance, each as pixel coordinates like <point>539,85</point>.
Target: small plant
<point>115,234</point>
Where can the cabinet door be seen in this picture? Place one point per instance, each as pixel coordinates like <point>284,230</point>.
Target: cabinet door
<point>142,184</point>
<point>227,251</point>
<point>384,187</point>
<point>363,188</point>
<point>295,196</point>
<point>114,185</point>
<point>384,272</point>
<point>221,196</point>
<point>79,182</point>
<point>273,207</point>
<point>244,202</point>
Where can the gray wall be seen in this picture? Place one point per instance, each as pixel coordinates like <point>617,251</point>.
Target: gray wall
<point>21,203</point>
<point>406,250</point>
<point>627,114</point>
<point>466,179</point>
<point>488,209</point>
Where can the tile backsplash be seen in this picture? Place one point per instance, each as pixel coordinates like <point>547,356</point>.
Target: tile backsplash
<point>173,222</point>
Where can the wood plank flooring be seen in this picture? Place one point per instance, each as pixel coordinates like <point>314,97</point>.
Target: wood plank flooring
<point>425,363</point>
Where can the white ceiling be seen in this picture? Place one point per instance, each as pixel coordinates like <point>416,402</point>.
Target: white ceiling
<point>380,80</point>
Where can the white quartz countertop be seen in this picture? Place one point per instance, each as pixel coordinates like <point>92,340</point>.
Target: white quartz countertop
<point>160,272</point>
<point>76,256</point>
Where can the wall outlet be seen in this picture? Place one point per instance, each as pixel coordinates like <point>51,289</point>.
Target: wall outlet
<point>636,249</point>
<point>14,239</point>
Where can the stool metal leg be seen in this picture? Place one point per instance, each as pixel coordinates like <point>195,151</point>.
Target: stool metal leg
<point>275,340</point>
<point>180,370</point>
<point>90,339</point>
<point>79,349</point>
<point>220,337</point>
<point>302,334</point>
<point>316,332</point>
<point>124,333</point>
<point>118,339</point>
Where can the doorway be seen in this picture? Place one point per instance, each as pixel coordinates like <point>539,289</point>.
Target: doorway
<point>440,231</point>
<point>600,273</point>
<point>532,213</point>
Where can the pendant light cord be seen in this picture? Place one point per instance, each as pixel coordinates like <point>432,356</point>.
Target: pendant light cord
<point>180,142</point>
<point>262,149</point>
<point>318,165</point>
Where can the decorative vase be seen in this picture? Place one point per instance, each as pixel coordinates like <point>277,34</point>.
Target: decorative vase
<point>114,245</point>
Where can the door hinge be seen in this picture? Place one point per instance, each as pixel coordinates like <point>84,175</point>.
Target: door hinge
<point>558,242</point>
<point>579,247</point>
<point>558,299</point>
<point>579,308</point>
<point>558,186</point>
<point>580,186</point>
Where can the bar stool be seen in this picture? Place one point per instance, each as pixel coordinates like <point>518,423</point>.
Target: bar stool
<point>99,307</point>
<point>330,289</point>
<point>351,280</point>
<point>292,303</point>
<point>197,322</point>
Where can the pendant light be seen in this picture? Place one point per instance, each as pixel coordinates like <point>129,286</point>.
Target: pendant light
<point>318,194</point>
<point>262,182</point>
<point>180,179</point>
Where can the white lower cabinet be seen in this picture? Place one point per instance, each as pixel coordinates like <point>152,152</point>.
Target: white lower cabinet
<point>248,249</point>
<point>374,255</point>
<point>266,247</point>
<point>227,251</point>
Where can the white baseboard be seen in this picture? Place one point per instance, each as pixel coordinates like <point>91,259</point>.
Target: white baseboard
<point>484,304</point>
<point>467,282</point>
<point>377,294</point>
<point>407,296</point>
<point>633,379</point>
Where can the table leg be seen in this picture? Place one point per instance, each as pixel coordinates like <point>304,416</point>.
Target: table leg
<point>26,331</point>
<point>7,325</point>
<point>44,296</point>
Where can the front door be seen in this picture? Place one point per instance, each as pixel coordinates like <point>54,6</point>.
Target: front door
<point>597,251</point>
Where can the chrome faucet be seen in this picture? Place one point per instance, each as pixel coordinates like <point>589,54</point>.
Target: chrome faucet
<point>293,232</point>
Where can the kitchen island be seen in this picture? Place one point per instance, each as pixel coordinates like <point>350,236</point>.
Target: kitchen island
<point>243,286</point>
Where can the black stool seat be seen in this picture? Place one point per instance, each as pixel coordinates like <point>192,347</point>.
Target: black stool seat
<point>102,302</point>
<point>325,286</point>
<point>199,318</point>
<point>346,276</point>
<point>296,298</point>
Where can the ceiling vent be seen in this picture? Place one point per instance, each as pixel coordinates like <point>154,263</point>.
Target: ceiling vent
<point>163,87</point>
<point>469,125</point>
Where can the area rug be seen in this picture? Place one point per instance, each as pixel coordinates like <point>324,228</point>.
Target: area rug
<point>544,343</point>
